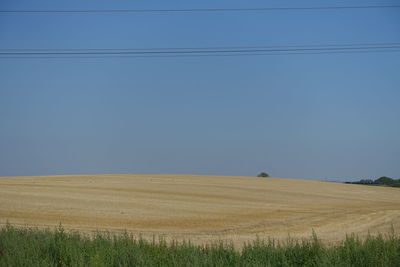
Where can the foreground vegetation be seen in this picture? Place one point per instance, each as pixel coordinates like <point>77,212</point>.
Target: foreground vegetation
<point>33,247</point>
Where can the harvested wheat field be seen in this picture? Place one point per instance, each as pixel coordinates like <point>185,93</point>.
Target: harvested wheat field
<point>200,208</point>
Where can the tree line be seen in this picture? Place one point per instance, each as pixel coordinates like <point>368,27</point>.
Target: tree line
<point>381,181</point>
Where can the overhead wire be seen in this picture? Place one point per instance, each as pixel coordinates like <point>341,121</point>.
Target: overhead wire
<point>195,51</point>
<point>366,45</point>
<point>195,9</point>
<point>177,52</point>
<point>197,55</point>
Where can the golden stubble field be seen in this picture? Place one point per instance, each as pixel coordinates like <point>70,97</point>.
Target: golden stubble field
<point>199,208</point>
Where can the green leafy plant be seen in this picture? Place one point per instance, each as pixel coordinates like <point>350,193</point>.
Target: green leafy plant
<point>35,247</point>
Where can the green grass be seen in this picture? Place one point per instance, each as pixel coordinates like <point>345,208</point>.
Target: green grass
<point>34,247</point>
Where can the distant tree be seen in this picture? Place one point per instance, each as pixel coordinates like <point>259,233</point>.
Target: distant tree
<point>366,181</point>
<point>263,174</point>
<point>385,180</point>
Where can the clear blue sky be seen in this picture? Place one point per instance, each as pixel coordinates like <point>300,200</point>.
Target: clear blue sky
<point>303,116</point>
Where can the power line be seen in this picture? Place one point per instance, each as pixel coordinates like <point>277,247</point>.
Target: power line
<point>366,45</point>
<point>230,51</point>
<point>196,9</point>
<point>199,55</point>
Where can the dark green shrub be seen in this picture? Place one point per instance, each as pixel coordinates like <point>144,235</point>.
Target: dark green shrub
<point>385,180</point>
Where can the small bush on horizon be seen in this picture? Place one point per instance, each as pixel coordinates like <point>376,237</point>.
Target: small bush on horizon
<point>263,174</point>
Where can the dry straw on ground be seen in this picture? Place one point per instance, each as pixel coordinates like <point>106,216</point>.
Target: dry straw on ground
<point>200,208</point>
